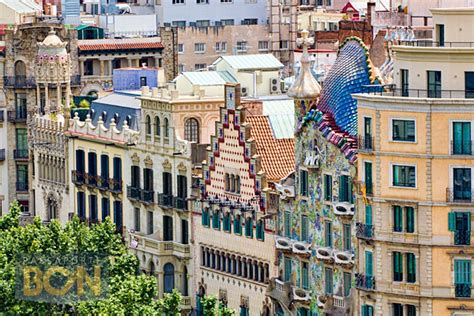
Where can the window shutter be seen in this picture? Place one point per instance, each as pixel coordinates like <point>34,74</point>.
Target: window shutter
<point>368,263</point>
<point>468,221</point>
<point>349,189</point>
<point>341,188</point>
<point>452,221</point>
<point>368,214</point>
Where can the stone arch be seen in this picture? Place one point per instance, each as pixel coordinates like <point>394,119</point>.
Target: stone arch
<point>91,87</point>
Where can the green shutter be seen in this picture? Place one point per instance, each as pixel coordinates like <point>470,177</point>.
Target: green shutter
<point>462,272</point>
<point>468,221</point>
<point>368,214</point>
<point>304,228</point>
<point>349,189</point>
<point>368,263</point>
<point>452,221</point>
<point>397,218</point>
<point>411,268</point>
<point>410,219</point>
<point>287,224</point>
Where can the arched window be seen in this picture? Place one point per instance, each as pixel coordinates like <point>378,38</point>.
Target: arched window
<point>20,73</point>
<point>248,227</point>
<point>260,230</point>
<point>185,282</point>
<point>148,125</point>
<point>191,130</point>
<point>152,268</point>
<point>237,225</point>
<point>167,126</point>
<point>237,184</point>
<point>168,282</point>
<point>157,126</point>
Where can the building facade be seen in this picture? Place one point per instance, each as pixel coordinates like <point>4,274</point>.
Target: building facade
<point>415,162</point>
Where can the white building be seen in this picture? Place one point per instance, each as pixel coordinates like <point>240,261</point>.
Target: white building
<point>16,11</point>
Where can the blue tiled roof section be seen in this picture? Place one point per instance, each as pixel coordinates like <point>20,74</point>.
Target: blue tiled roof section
<point>347,76</point>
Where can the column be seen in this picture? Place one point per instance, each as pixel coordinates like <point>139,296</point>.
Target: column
<point>157,62</point>
<point>237,266</point>
<point>58,96</point>
<point>68,99</point>
<point>137,63</point>
<point>111,70</point>
<point>129,60</point>
<point>38,96</point>
<point>81,67</point>
<point>46,99</point>
<point>102,68</point>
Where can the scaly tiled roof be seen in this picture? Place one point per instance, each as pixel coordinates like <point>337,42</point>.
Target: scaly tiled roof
<point>278,155</point>
<point>119,44</point>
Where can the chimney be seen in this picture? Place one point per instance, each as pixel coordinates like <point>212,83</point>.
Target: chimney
<point>370,11</point>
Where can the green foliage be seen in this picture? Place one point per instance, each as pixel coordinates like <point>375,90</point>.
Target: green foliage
<point>129,293</point>
<point>212,308</point>
<point>84,104</point>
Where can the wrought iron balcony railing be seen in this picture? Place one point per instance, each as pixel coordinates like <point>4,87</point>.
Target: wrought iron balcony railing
<point>366,143</point>
<point>133,193</point>
<point>364,231</point>
<point>165,200</point>
<point>459,196</point>
<point>462,237</point>
<point>22,186</point>
<point>180,203</point>
<point>430,43</point>
<point>462,148</point>
<point>19,82</point>
<point>18,115</point>
<point>462,290</point>
<point>365,282</point>
<point>20,154</point>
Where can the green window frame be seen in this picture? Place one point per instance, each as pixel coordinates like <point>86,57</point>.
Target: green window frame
<point>409,219</point>
<point>205,220</point>
<point>328,281</point>
<point>434,83</point>
<point>462,277</point>
<point>237,225</point>
<point>287,224</point>
<point>226,222</point>
<point>248,227</point>
<point>260,231</point>
<point>461,138</point>
<point>287,270</point>
<point>369,263</point>
<point>304,182</point>
<point>397,266</point>
<point>397,218</point>
<point>411,267</point>
<point>404,176</point>
<point>345,189</point>
<point>368,215</point>
<point>411,310</point>
<point>367,310</point>
<point>347,276</point>
<point>397,309</point>
<point>216,220</point>
<point>328,234</point>
<point>403,130</point>
<point>368,178</point>
<point>327,187</point>
<point>460,224</point>
<point>304,228</point>
<point>347,237</point>
<point>305,275</point>
<point>302,311</point>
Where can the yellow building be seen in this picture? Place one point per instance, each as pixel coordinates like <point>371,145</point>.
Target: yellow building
<point>415,166</point>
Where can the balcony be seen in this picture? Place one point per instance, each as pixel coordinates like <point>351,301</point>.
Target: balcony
<point>19,82</point>
<point>459,196</point>
<point>20,154</point>
<point>137,194</point>
<point>180,203</point>
<point>78,177</point>
<point>365,282</point>
<point>364,231</point>
<point>165,200</point>
<point>2,154</point>
<point>133,193</point>
<point>22,186</point>
<point>430,43</point>
<point>92,180</point>
<point>392,91</point>
<point>17,116</point>
<point>76,80</point>
<point>462,237</point>
<point>462,148</point>
<point>115,185</point>
<point>462,290</point>
<point>365,143</point>
<point>147,196</point>
<point>280,291</point>
<point>158,247</point>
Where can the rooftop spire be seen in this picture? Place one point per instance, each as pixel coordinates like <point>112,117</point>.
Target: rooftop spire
<point>305,85</point>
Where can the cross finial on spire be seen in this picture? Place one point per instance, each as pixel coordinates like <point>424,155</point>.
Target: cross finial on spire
<point>305,41</point>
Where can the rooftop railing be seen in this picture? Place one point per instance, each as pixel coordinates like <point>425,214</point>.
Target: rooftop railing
<point>392,90</point>
<point>430,43</point>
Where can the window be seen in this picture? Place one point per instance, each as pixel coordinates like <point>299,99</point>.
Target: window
<point>284,44</point>
<point>237,225</point>
<point>226,222</point>
<point>157,126</point>
<point>178,1</point>
<point>367,310</point>
<point>216,220</point>
<point>304,182</point>
<point>167,228</point>
<point>149,221</point>
<point>397,218</point>
<point>244,310</point>
<point>136,221</point>
<point>199,48</point>
<point>462,144</point>
<point>135,176</point>
<point>347,283</point>
<point>182,182</point>
<point>369,190</point>
<point>328,282</point>
<point>404,82</point>
<point>179,24</point>
<point>411,310</point>
<point>460,224</point>
<point>143,81</point>
<point>462,184</point>
<point>248,227</point>
<point>411,267</point>
<point>345,189</point>
<point>397,309</point>
<point>180,68</point>
<point>403,130</point>
<point>287,276</point>
<point>221,47</point>
<point>327,187</point>
<point>262,45</point>
<point>249,21</point>
<point>227,21</point>
<point>397,266</point>
<point>105,208</point>
<point>434,84</point>
<point>20,105</point>
<point>199,66</point>
<point>287,223</point>
<point>205,220</point>
<point>22,142</point>
<point>469,84</point>
<point>168,278</point>
<point>404,176</point>
<point>368,215</point>
<point>180,48</point>
<point>117,161</point>
<point>241,46</point>
<point>440,34</point>
<point>368,265</point>
<point>203,23</point>
<point>118,216</point>
<point>304,228</point>
<point>167,128</point>
<point>462,278</point>
<point>202,1</point>
<point>191,130</point>
<point>148,125</point>
<point>93,212</point>
<point>184,232</point>
<point>104,168</point>
<point>260,232</point>
<point>367,142</point>
<point>304,275</point>
<point>347,234</point>
<point>328,234</point>
<point>81,205</point>
<point>226,1</point>
<point>22,178</point>
<point>148,179</point>
<point>409,219</point>
<point>92,167</point>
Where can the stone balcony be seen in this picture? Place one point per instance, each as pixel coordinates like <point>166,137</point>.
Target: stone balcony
<point>158,247</point>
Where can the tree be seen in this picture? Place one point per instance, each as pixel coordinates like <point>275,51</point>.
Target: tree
<point>129,293</point>
<point>212,308</point>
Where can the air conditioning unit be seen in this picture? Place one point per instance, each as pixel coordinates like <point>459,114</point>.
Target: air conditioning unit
<point>275,86</point>
<point>243,91</point>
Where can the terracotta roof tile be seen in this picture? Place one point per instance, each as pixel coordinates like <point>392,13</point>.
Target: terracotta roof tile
<point>119,44</point>
<point>278,155</point>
